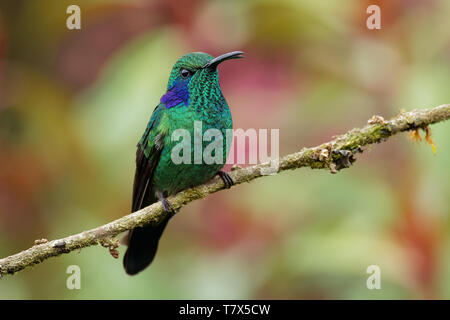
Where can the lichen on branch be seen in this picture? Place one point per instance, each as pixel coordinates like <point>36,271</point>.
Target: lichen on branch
<point>334,155</point>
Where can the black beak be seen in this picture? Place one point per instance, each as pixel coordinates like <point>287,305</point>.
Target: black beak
<point>213,63</point>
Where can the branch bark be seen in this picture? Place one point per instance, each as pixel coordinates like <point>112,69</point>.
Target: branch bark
<point>334,155</point>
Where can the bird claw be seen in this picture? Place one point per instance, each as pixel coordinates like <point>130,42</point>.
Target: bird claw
<point>226,178</point>
<point>167,206</point>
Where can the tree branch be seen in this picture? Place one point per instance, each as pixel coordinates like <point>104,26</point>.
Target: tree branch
<point>333,155</point>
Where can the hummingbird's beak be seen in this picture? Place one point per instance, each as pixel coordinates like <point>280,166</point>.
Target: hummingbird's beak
<point>213,63</point>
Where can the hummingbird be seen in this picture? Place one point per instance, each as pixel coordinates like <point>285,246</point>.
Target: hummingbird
<point>193,94</point>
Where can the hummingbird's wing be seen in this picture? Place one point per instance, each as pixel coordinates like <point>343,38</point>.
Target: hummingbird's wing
<point>143,241</point>
<point>147,157</point>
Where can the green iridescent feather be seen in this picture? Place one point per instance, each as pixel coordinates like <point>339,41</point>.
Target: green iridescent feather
<point>193,94</point>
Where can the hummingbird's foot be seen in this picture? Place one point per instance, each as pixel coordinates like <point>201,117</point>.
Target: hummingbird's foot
<point>226,178</point>
<point>167,206</point>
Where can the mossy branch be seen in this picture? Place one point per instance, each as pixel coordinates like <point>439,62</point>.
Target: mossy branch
<point>333,155</point>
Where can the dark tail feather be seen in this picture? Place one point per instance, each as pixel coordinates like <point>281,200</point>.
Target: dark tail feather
<point>142,246</point>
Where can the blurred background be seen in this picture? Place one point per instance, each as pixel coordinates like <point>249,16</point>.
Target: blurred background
<point>74,103</point>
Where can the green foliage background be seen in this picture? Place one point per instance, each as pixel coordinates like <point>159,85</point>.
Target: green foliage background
<point>73,105</point>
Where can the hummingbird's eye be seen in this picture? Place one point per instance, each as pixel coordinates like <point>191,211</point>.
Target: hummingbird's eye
<point>185,73</point>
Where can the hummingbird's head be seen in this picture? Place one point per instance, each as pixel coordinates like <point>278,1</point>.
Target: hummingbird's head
<point>194,74</point>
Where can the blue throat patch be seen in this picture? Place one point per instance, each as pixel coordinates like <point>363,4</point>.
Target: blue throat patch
<point>178,93</point>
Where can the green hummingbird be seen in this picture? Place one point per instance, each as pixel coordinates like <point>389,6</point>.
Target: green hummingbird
<point>193,94</point>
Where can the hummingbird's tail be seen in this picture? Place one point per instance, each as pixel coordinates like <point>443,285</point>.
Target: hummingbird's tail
<point>142,246</point>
